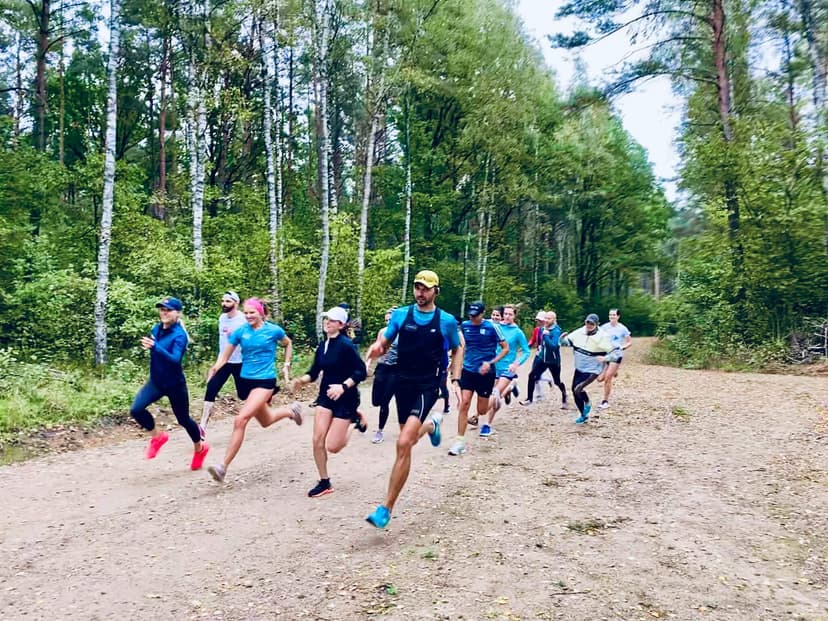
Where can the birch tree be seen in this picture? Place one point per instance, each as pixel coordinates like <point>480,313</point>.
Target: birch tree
<point>109,186</point>
<point>196,137</point>
<point>322,24</point>
<point>374,98</point>
<point>408,196</point>
<point>272,154</point>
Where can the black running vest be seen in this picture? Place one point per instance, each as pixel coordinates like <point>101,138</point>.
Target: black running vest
<point>420,351</point>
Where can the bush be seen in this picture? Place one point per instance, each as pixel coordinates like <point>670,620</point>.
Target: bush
<point>35,395</point>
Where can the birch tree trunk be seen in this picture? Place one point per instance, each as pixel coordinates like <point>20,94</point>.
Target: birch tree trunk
<point>198,195</point>
<point>322,14</point>
<point>102,289</point>
<point>363,216</point>
<point>465,275</point>
<point>160,208</point>
<point>488,227</point>
<point>198,155</point>
<point>408,193</point>
<point>267,43</point>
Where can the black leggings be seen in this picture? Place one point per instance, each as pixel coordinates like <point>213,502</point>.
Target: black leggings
<point>538,367</point>
<point>220,378</point>
<point>579,383</point>
<point>382,390</point>
<point>179,401</point>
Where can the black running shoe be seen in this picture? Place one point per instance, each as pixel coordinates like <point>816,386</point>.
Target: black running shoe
<point>322,488</point>
<point>359,422</point>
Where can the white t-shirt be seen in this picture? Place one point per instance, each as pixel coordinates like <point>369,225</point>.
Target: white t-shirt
<point>617,333</point>
<point>228,325</point>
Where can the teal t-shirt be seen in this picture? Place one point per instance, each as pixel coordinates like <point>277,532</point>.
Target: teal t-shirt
<point>258,349</point>
<point>515,339</point>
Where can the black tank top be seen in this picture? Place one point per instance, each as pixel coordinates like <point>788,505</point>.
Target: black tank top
<point>420,349</point>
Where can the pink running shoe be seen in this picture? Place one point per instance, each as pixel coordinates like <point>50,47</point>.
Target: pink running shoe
<point>198,458</point>
<point>156,443</point>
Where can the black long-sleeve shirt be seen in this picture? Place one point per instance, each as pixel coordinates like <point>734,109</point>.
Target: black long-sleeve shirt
<point>337,359</point>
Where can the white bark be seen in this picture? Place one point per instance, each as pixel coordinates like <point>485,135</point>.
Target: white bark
<point>201,159</point>
<point>488,227</point>
<point>363,216</point>
<point>198,155</point>
<point>375,103</point>
<point>109,187</point>
<point>323,32</point>
<point>535,248</point>
<point>267,43</point>
<point>408,193</point>
<point>486,224</point>
<point>465,275</point>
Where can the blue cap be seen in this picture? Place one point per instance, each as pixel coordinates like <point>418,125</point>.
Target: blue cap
<point>171,303</point>
<point>592,318</point>
<point>475,308</point>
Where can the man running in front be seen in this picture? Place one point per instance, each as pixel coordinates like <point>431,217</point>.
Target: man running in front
<point>419,330</point>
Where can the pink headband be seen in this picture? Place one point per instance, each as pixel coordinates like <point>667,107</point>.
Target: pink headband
<point>257,304</point>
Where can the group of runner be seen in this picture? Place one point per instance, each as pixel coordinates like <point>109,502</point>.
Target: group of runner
<point>418,352</point>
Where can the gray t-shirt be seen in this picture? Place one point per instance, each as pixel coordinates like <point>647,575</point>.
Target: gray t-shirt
<point>228,325</point>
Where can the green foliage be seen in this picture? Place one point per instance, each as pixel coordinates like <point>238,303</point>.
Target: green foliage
<point>564,203</point>
<point>36,395</point>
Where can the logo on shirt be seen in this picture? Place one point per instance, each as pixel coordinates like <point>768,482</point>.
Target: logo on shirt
<point>482,330</point>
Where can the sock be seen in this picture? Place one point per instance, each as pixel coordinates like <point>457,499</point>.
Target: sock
<point>206,409</point>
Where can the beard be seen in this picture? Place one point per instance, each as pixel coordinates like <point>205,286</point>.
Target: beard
<point>227,309</point>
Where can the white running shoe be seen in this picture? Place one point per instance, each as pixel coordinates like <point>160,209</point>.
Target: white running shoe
<point>604,405</point>
<point>378,437</point>
<point>458,448</point>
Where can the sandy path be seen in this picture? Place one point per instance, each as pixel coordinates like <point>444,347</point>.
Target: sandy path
<point>699,495</point>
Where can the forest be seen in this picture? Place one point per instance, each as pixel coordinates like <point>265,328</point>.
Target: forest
<point>316,152</point>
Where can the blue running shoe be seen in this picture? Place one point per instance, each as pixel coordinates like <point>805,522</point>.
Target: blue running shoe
<point>585,416</point>
<point>435,436</point>
<point>485,431</point>
<point>380,517</point>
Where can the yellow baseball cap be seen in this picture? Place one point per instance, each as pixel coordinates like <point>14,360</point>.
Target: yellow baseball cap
<point>427,278</point>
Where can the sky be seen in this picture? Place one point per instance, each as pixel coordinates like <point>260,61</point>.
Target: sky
<point>651,113</point>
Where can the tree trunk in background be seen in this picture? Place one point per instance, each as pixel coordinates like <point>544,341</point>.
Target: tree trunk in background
<point>102,289</point>
<point>408,193</point>
<point>323,32</point>
<point>42,16</point>
<point>21,94</point>
<point>465,294</point>
<point>62,82</point>
<point>730,183</point>
<point>485,227</point>
<point>267,43</point>
<point>819,70</point>
<point>363,216</point>
<point>159,208</point>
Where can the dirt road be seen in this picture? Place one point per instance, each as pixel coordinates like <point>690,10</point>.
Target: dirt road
<point>698,495</point>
